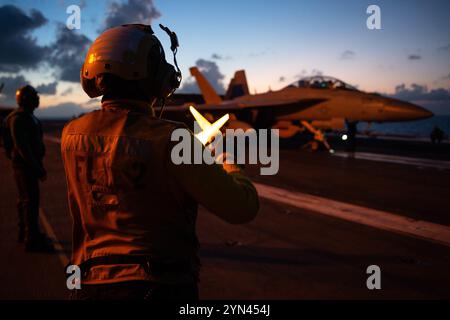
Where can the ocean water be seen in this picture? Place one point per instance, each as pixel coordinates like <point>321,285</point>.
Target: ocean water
<point>420,128</point>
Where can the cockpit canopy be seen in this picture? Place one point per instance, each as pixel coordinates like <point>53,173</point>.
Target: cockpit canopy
<point>321,82</point>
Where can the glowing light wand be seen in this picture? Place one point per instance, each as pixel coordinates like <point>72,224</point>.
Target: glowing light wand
<point>208,130</point>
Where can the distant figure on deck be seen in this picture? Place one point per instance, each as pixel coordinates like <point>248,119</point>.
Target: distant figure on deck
<point>436,135</point>
<point>23,143</point>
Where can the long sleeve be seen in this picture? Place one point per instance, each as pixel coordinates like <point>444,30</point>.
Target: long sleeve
<point>21,140</point>
<point>229,195</point>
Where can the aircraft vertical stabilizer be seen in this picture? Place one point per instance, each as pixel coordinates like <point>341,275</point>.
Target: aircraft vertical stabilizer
<point>209,94</point>
<point>238,86</point>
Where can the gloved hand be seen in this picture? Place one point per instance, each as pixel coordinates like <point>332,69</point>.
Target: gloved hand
<point>228,167</point>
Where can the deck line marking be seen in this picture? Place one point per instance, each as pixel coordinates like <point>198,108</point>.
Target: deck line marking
<point>362,215</point>
<point>58,247</point>
<point>370,217</point>
<point>419,162</point>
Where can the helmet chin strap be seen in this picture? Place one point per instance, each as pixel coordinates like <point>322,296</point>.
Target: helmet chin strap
<point>174,44</point>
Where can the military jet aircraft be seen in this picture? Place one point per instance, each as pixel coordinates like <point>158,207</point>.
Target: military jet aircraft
<point>312,104</point>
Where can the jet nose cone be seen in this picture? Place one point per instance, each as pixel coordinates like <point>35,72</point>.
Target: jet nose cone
<point>426,113</point>
<point>407,111</point>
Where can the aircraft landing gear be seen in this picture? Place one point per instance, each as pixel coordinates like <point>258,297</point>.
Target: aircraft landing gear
<point>318,140</point>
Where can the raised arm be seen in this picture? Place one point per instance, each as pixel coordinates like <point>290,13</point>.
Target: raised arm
<point>222,189</point>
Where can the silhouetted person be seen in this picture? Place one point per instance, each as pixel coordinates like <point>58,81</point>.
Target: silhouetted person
<point>134,211</point>
<point>437,135</point>
<point>24,146</point>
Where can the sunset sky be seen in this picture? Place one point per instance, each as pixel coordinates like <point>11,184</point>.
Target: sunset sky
<point>276,42</point>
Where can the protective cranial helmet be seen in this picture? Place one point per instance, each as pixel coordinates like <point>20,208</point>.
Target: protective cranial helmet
<point>27,97</point>
<point>132,53</point>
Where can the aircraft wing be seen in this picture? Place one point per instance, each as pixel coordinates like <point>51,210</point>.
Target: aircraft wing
<point>232,106</point>
<point>272,108</point>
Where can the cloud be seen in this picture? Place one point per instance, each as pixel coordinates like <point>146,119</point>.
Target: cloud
<point>15,29</point>
<point>68,53</point>
<point>305,73</point>
<point>189,86</point>
<point>348,55</point>
<point>93,103</point>
<point>258,54</point>
<point>417,92</point>
<point>11,83</point>
<point>216,56</point>
<point>67,91</point>
<point>81,3</point>
<point>62,111</point>
<point>211,72</point>
<point>49,88</point>
<point>436,100</point>
<point>130,11</point>
<point>414,57</point>
<point>316,72</point>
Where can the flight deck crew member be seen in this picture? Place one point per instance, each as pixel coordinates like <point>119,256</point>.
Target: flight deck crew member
<point>24,146</point>
<point>134,211</point>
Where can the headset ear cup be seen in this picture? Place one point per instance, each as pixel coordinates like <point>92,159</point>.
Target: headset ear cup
<point>169,78</point>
